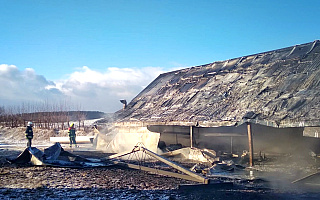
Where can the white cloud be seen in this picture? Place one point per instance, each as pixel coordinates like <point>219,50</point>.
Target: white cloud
<point>93,90</point>
<point>103,90</point>
<point>23,86</point>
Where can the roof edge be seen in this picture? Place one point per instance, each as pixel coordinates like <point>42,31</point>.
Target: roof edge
<point>187,68</point>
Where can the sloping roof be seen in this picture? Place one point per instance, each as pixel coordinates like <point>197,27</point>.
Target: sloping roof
<point>279,88</point>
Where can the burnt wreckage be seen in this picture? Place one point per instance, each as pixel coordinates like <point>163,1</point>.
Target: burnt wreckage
<point>270,100</point>
<point>266,103</point>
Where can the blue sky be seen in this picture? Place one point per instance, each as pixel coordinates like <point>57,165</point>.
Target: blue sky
<point>56,39</point>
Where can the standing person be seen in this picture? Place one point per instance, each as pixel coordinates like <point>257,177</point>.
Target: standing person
<point>29,133</point>
<point>72,135</point>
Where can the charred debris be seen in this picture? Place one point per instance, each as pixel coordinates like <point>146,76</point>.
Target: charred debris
<point>261,104</point>
<point>139,158</point>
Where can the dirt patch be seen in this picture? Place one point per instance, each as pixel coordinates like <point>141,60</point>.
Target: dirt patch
<point>103,178</point>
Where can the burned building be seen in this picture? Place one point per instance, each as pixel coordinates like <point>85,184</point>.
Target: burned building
<point>271,97</point>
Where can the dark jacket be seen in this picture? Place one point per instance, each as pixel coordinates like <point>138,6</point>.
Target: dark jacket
<point>29,132</point>
<point>72,132</point>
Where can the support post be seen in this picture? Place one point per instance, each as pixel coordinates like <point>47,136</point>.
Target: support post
<point>176,138</point>
<point>191,136</point>
<point>231,144</point>
<point>250,140</point>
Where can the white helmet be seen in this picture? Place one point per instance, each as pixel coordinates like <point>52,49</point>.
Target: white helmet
<point>29,123</point>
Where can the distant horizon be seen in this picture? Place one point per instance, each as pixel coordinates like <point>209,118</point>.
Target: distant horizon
<point>18,109</point>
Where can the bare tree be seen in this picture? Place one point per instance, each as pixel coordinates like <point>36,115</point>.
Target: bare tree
<point>48,115</point>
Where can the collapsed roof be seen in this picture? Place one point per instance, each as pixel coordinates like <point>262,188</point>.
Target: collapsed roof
<point>55,156</point>
<point>278,88</point>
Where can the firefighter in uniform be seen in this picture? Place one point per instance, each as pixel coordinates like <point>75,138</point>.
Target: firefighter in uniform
<point>29,133</point>
<point>72,135</point>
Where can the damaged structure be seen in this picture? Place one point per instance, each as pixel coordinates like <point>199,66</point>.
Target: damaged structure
<point>218,115</point>
<point>263,102</point>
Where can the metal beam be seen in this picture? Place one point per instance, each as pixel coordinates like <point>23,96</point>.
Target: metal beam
<point>176,166</point>
<point>231,144</point>
<point>191,136</point>
<point>189,175</point>
<point>306,177</point>
<point>158,171</point>
<point>250,140</point>
<point>120,154</point>
<point>223,135</point>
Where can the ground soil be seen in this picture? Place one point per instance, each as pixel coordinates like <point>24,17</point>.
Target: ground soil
<point>114,182</point>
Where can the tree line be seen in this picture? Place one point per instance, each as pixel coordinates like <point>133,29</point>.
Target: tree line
<point>45,116</point>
